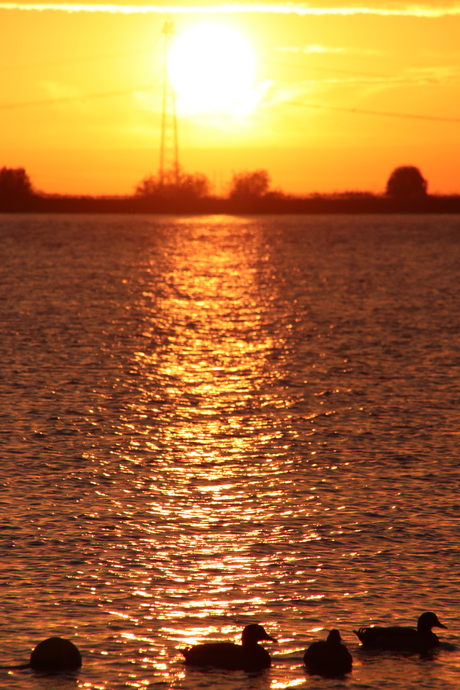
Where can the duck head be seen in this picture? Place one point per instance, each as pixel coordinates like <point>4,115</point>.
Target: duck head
<point>334,637</point>
<point>427,621</point>
<point>254,633</point>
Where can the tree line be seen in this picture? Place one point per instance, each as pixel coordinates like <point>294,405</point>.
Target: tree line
<point>249,191</point>
<point>404,181</point>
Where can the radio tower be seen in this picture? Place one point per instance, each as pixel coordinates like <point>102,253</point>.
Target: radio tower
<point>169,161</point>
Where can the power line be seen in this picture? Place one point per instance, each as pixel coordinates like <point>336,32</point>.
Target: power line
<point>378,113</point>
<point>296,104</point>
<point>74,99</point>
<point>326,69</point>
<point>112,94</point>
<point>78,59</point>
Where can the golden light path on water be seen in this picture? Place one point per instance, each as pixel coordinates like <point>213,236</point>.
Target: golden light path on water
<point>217,508</point>
<point>214,364</point>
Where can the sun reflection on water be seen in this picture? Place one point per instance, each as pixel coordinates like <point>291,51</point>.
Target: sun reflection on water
<point>217,467</point>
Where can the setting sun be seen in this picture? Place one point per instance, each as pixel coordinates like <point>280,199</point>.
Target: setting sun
<point>212,69</point>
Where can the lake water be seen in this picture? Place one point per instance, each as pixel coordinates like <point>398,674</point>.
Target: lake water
<point>212,421</point>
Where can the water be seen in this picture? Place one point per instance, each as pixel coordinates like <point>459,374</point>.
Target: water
<point>207,422</point>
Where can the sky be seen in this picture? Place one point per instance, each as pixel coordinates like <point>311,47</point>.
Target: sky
<point>327,96</point>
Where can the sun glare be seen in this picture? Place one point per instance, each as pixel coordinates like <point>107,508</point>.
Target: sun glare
<point>212,69</point>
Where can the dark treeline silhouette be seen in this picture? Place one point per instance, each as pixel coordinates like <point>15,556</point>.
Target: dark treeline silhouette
<point>249,192</point>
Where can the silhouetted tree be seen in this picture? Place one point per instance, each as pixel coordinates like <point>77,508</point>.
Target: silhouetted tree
<point>180,187</point>
<point>246,186</point>
<point>406,182</point>
<point>15,186</point>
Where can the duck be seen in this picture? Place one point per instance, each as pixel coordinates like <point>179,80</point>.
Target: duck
<point>248,656</point>
<point>328,657</point>
<point>53,655</point>
<point>402,638</point>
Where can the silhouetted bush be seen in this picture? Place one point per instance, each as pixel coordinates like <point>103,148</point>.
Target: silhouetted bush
<point>181,187</point>
<point>406,182</point>
<point>247,186</point>
<point>15,187</point>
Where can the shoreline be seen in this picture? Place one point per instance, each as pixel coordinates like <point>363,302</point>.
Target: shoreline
<point>218,206</point>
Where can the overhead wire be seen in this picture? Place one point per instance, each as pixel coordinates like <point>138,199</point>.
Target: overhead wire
<point>316,106</point>
<point>334,70</point>
<point>378,113</point>
<point>91,96</point>
<point>78,60</point>
<point>75,99</point>
<point>357,111</point>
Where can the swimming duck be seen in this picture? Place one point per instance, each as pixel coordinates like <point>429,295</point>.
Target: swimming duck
<point>403,638</point>
<point>328,657</point>
<point>249,656</point>
<point>53,655</point>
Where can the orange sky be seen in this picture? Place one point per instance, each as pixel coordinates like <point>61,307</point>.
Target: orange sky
<point>81,94</point>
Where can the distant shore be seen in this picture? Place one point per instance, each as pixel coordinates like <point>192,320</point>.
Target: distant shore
<point>269,204</point>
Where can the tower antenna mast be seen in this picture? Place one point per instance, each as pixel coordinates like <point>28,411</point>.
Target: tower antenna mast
<point>169,159</point>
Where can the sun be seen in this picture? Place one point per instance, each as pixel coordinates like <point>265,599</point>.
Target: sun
<point>212,69</point>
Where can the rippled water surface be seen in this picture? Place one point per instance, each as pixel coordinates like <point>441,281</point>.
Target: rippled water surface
<point>207,422</point>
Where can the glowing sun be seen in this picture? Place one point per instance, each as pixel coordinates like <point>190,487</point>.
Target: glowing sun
<point>212,69</point>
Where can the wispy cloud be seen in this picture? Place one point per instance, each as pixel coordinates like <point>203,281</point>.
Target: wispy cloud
<point>368,83</point>
<point>434,75</point>
<point>313,49</point>
<point>409,10</point>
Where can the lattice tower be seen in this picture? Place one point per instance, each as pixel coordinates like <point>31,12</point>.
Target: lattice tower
<point>169,158</point>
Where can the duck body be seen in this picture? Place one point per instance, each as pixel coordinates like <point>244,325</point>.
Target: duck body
<point>248,656</point>
<point>401,638</point>
<point>328,657</point>
<point>54,655</point>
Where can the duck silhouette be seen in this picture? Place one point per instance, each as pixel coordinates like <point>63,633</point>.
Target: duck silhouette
<point>248,656</point>
<point>53,655</point>
<point>328,657</point>
<point>402,638</point>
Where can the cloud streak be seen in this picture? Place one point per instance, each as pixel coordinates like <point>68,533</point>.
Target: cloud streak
<point>313,49</point>
<point>421,11</point>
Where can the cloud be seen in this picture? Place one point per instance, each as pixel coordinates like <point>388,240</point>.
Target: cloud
<point>421,9</point>
<point>434,75</point>
<point>313,50</point>
<point>411,77</point>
